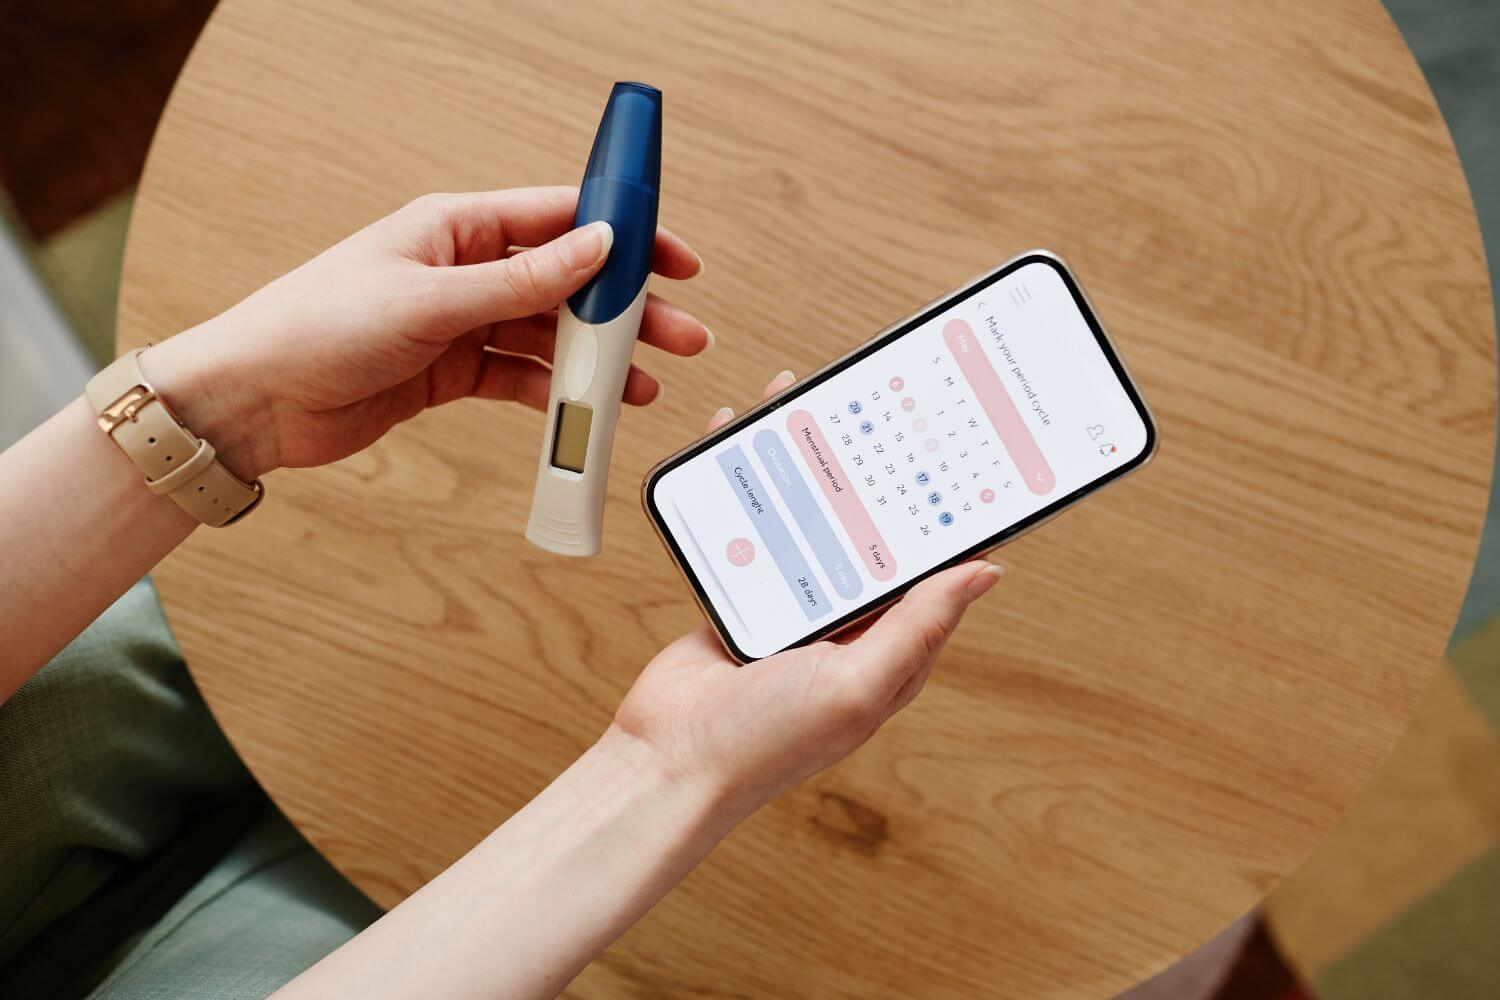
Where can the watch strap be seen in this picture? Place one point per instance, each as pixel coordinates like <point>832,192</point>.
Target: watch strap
<point>176,463</point>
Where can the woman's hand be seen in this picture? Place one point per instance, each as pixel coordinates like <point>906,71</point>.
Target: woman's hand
<point>698,744</point>
<point>750,732</point>
<point>420,308</point>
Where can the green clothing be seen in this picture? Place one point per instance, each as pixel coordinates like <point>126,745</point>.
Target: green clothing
<point>137,856</point>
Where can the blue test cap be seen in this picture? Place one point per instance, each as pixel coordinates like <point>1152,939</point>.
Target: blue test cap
<point>621,187</point>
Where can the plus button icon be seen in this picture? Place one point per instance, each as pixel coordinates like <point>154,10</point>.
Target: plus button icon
<point>740,552</point>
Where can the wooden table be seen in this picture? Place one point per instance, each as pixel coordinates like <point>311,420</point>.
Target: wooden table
<point>1184,683</point>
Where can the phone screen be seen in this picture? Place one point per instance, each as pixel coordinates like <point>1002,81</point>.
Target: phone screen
<point>974,420</point>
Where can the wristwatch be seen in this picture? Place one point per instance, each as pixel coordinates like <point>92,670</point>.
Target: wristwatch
<point>177,463</point>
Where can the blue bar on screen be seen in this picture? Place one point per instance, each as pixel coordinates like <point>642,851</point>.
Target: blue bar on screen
<point>807,515</point>
<point>745,484</point>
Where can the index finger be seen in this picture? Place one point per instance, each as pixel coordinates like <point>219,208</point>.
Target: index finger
<point>486,224</point>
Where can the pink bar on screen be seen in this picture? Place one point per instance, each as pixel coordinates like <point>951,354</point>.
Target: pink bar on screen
<point>998,406</point>
<point>825,468</point>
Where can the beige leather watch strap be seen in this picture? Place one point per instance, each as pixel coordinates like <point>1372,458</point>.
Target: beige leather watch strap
<point>176,463</point>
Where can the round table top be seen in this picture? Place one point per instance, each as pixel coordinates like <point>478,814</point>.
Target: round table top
<point>1181,684</point>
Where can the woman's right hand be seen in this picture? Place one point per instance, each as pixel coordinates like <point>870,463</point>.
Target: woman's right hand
<point>748,733</point>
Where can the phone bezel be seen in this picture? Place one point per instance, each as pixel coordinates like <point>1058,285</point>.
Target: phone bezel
<point>890,334</point>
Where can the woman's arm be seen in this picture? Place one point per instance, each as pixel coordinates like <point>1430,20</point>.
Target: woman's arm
<point>422,307</point>
<point>698,745</point>
<point>78,525</point>
<point>522,913</point>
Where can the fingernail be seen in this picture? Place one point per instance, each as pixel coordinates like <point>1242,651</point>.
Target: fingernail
<point>711,341</point>
<point>699,273</point>
<point>723,413</point>
<point>982,581</point>
<point>786,376</point>
<point>661,390</point>
<point>588,246</point>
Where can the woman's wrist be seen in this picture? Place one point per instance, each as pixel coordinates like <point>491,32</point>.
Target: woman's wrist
<point>216,396</point>
<point>710,804</point>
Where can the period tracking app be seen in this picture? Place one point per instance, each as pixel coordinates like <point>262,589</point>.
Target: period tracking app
<point>981,416</point>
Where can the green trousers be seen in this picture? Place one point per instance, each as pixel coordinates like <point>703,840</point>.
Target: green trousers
<point>137,856</point>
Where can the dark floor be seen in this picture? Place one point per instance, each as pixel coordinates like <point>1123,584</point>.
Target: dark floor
<point>82,84</point>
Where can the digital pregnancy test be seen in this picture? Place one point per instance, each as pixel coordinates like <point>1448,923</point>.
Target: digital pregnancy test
<point>597,326</point>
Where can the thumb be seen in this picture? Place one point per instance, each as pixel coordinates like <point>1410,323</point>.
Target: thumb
<point>532,281</point>
<point>914,631</point>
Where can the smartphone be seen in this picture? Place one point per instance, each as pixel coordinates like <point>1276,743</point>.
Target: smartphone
<point>949,433</point>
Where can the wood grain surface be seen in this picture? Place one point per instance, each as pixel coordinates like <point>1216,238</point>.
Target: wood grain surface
<point>1181,685</point>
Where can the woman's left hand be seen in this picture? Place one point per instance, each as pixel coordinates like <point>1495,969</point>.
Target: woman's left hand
<point>743,735</point>
<point>420,308</point>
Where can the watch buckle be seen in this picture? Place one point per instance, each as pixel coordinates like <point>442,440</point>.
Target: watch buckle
<point>125,408</point>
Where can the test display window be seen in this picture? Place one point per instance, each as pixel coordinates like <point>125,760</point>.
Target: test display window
<point>570,439</point>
